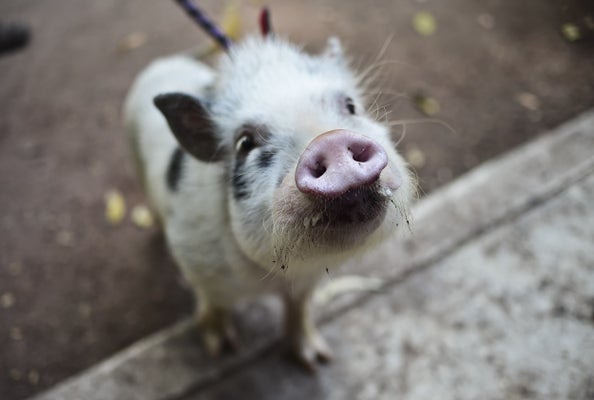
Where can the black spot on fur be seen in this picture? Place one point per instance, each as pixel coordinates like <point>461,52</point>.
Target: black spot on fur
<point>265,158</point>
<point>175,169</point>
<point>239,181</point>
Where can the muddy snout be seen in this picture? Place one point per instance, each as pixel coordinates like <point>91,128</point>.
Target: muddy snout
<point>339,161</point>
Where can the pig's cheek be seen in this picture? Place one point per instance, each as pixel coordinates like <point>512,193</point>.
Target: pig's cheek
<point>285,201</point>
<point>289,205</point>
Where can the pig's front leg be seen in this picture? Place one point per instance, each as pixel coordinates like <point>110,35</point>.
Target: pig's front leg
<point>216,328</point>
<point>306,342</point>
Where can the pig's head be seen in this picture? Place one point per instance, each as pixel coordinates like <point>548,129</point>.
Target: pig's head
<point>312,177</point>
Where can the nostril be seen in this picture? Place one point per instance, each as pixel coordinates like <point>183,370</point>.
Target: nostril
<point>361,153</point>
<point>317,170</point>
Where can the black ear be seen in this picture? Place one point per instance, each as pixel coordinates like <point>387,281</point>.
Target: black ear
<point>191,124</point>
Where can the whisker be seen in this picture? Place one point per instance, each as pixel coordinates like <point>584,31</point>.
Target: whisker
<point>402,135</point>
<point>424,121</point>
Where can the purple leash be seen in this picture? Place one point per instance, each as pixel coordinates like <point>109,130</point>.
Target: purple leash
<point>206,24</point>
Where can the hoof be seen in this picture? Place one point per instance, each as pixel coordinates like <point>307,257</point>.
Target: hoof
<point>218,332</point>
<point>311,350</point>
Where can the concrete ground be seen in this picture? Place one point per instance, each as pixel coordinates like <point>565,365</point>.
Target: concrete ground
<point>491,298</point>
<point>74,288</point>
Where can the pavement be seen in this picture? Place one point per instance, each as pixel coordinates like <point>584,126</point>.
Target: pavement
<point>490,297</point>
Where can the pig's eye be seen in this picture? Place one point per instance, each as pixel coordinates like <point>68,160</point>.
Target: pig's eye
<point>245,143</point>
<point>350,105</point>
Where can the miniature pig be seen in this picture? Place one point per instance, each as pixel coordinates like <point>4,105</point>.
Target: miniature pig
<point>265,174</point>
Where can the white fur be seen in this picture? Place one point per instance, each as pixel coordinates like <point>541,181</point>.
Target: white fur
<point>226,248</point>
<point>195,219</point>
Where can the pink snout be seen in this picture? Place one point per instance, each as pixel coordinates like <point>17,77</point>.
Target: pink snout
<point>338,161</point>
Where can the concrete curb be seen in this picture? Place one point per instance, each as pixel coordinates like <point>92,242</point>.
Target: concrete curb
<point>170,365</point>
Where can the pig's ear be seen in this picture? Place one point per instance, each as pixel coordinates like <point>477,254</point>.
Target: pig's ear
<point>191,124</point>
<point>333,50</point>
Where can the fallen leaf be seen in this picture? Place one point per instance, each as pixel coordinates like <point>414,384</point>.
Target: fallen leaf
<point>416,157</point>
<point>427,105</point>
<point>115,207</point>
<point>424,23</point>
<point>571,32</point>
<point>142,216</point>
<point>231,22</point>
<point>528,100</point>
<point>132,42</point>
<point>7,300</point>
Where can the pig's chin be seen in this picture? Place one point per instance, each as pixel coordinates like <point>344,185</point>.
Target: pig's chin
<point>341,220</point>
<point>305,225</point>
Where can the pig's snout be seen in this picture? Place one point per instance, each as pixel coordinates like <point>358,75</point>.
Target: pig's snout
<point>338,161</point>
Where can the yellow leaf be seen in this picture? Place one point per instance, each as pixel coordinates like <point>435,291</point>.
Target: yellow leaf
<point>427,105</point>
<point>571,32</point>
<point>231,22</point>
<point>424,23</point>
<point>115,207</point>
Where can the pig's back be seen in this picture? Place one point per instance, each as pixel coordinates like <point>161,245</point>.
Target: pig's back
<point>152,141</point>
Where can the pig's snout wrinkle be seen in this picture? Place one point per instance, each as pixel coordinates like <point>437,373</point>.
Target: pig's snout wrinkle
<point>338,161</point>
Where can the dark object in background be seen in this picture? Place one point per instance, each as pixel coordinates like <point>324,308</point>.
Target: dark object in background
<point>13,36</point>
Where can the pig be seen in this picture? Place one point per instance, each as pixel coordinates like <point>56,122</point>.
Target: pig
<point>265,173</point>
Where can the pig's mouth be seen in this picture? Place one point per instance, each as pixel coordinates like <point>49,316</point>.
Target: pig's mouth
<point>304,222</point>
<point>362,209</point>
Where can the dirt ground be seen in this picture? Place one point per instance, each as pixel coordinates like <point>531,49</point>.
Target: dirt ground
<point>75,288</point>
